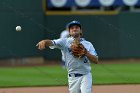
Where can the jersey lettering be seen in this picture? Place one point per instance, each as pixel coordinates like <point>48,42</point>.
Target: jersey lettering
<point>85,60</point>
<point>69,50</point>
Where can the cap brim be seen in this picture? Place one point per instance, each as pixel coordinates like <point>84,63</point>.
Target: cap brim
<point>74,25</point>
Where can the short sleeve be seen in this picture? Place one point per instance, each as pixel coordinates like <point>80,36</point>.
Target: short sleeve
<point>58,43</point>
<point>92,50</point>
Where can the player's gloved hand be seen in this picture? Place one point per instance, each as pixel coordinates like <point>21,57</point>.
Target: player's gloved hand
<point>78,50</point>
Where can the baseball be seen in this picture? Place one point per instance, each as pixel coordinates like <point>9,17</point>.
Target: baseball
<point>18,28</point>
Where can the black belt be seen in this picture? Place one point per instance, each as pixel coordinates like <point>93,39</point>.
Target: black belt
<point>76,75</point>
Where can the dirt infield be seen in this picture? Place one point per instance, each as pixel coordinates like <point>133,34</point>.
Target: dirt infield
<point>64,89</point>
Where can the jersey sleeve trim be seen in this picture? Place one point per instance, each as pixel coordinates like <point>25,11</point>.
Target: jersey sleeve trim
<point>53,42</point>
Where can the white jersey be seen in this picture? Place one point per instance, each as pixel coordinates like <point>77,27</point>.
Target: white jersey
<point>75,65</point>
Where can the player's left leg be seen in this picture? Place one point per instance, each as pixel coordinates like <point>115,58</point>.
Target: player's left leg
<point>63,64</point>
<point>86,84</point>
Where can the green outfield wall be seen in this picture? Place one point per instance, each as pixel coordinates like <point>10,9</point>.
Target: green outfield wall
<point>113,36</point>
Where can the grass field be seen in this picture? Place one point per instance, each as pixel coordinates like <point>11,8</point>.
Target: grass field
<point>127,73</point>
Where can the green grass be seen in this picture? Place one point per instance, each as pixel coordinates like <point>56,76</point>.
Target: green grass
<point>32,76</point>
<point>55,75</point>
<point>117,73</point>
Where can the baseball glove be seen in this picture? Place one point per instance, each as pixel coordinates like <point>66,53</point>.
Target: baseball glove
<point>78,50</point>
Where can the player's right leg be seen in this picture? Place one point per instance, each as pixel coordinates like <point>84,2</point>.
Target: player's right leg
<point>74,84</point>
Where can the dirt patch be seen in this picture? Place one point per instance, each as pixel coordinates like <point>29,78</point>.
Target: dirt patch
<point>64,89</point>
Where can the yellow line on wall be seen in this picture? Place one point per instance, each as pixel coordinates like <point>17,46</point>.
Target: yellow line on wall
<point>82,12</point>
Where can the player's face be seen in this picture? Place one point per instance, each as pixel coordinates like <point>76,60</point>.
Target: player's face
<point>73,30</point>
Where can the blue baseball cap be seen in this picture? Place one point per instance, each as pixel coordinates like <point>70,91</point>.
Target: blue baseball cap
<point>72,23</point>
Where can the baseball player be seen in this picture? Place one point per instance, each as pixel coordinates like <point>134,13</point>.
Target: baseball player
<point>78,54</point>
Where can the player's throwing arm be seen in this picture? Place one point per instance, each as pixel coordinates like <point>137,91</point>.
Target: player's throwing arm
<point>43,43</point>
